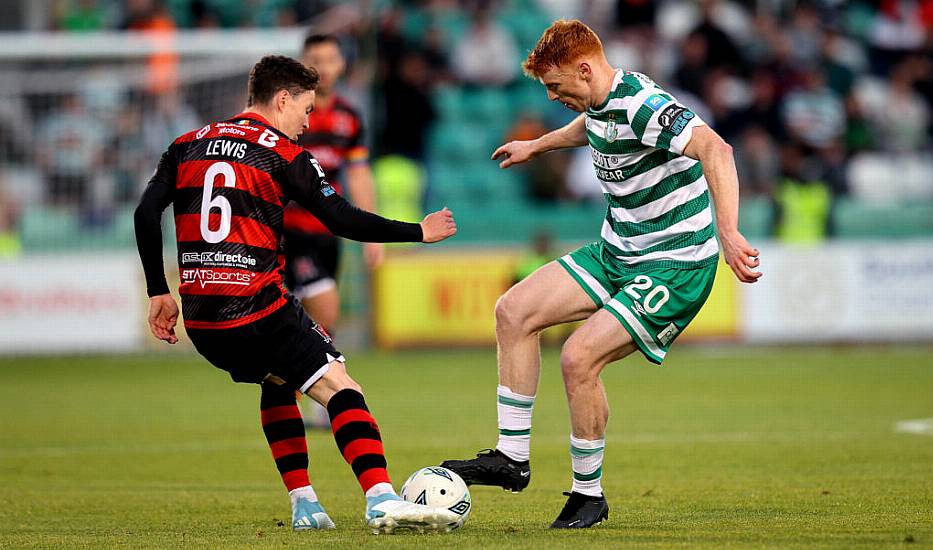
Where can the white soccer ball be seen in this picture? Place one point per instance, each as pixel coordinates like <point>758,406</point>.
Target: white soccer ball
<point>440,487</point>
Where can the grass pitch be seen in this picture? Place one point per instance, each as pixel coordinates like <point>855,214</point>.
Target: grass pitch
<point>734,447</point>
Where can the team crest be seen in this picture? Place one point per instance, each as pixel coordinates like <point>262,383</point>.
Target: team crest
<point>612,131</point>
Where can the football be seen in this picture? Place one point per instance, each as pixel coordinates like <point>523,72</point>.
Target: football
<point>436,486</point>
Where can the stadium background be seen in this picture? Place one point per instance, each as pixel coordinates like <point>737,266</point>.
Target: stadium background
<point>829,106</point>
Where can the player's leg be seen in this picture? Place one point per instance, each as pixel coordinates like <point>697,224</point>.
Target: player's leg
<point>323,305</point>
<point>598,342</point>
<point>648,312</point>
<point>360,442</point>
<point>285,433</point>
<point>243,352</point>
<point>316,265</point>
<point>316,279</point>
<point>548,297</point>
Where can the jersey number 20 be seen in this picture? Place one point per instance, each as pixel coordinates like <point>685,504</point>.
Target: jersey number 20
<point>220,202</point>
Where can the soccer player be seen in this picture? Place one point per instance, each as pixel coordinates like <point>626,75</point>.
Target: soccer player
<point>229,183</point>
<point>335,138</point>
<point>312,253</point>
<point>637,287</point>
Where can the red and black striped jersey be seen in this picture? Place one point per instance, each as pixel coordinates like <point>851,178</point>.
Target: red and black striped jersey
<point>335,138</point>
<point>229,183</point>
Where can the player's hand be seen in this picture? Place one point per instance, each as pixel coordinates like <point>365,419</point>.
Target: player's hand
<point>163,314</point>
<point>438,226</point>
<point>373,254</point>
<point>515,152</point>
<point>740,256</point>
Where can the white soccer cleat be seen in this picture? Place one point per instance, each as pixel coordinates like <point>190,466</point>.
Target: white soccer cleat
<point>388,512</point>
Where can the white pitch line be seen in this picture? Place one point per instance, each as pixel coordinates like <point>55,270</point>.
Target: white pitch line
<point>920,426</point>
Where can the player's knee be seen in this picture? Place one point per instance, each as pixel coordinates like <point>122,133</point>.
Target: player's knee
<point>334,380</point>
<point>510,314</point>
<point>576,363</point>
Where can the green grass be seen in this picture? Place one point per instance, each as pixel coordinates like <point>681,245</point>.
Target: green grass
<point>737,447</point>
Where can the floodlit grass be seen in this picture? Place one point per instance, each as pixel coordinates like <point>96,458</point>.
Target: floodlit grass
<point>733,447</point>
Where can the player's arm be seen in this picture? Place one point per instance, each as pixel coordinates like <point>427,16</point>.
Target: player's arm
<point>516,152</point>
<point>363,193</point>
<point>305,184</point>
<point>719,168</point>
<point>163,311</point>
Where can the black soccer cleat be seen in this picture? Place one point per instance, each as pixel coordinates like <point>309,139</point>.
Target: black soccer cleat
<point>582,511</point>
<point>491,467</point>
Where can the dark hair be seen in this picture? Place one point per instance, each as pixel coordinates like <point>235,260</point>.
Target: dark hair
<point>314,39</point>
<point>277,72</point>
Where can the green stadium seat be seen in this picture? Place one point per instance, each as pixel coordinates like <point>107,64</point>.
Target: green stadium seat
<point>856,219</point>
<point>530,97</point>
<point>451,142</point>
<point>487,105</point>
<point>525,22</point>
<point>453,24</point>
<point>449,103</point>
<point>415,24</point>
<point>48,228</point>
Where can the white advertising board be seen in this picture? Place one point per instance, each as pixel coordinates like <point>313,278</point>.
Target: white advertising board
<point>73,302</point>
<point>845,292</point>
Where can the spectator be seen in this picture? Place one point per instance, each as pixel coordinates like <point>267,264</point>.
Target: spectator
<point>635,15</point>
<point>152,18</point>
<point>756,157</point>
<point>70,150</point>
<point>546,175</point>
<point>407,109</point>
<point>806,34</point>
<point>486,55</point>
<point>898,115</point>
<point>814,115</point>
<point>540,253</point>
<point>128,160</point>
<point>691,73</point>
<point>721,50</point>
<point>581,177</point>
<point>169,118</point>
<point>802,201</point>
<point>10,244</point>
<point>82,16</point>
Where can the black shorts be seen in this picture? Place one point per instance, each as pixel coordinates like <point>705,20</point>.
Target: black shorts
<point>311,263</point>
<point>286,344</point>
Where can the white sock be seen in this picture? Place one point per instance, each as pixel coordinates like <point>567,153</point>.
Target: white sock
<point>514,423</point>
<point>380,489</point>
<point>587,460</point>
<point>306,492</point>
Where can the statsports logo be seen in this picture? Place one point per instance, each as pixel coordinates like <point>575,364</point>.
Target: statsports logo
<point>206,277</point>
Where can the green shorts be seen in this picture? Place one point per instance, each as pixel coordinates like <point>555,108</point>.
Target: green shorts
<point>654,304</point>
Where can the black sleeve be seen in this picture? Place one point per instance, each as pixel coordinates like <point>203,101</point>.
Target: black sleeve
<point>148,220</point>
<point>304,183</point>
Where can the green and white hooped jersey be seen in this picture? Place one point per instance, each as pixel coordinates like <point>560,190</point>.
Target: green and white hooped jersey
<point>659,205</point>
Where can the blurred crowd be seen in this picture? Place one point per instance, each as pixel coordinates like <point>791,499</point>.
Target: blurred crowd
<point>821,99</point>
<point>99,15</point>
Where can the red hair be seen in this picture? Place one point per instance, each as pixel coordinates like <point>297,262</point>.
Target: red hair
<point>565,41</point>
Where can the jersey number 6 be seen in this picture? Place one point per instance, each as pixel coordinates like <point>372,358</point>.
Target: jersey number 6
<point>220,202</point>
